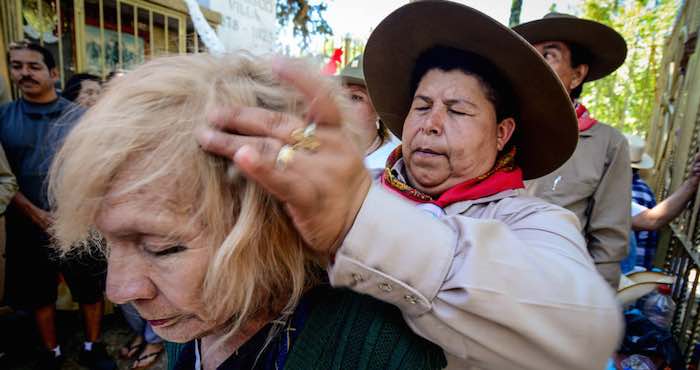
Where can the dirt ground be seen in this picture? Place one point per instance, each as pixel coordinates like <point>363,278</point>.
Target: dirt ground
<point>18,339</point>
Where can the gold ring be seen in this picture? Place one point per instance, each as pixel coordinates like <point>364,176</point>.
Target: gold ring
<point>284,156</point>
<point>306,138</point>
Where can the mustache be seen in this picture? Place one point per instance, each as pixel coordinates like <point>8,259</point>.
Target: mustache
<point>28,79</point>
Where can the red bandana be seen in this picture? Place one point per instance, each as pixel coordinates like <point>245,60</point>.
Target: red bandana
<point>585,121</point>
<point>505,175</point>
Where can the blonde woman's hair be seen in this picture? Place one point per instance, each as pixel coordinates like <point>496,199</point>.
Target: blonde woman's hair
<point>145,120</point>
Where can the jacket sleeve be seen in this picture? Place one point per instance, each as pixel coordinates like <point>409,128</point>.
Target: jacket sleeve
<point>495,295</point>
<point>609,221</point>
<point>8,182</point>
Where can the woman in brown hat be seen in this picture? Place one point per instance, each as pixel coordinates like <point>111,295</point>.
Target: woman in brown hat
<point>375,136</point>
<point>498,279</point>
<point>595,182</point>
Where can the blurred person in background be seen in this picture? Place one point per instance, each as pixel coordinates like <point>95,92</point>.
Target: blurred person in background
<point>375,136</point>
<point>4,92</point>
<point>83,89</point>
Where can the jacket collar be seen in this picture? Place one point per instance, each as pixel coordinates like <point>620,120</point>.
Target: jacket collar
<point>590,132</point>
<point>399,171</point>
<point>461,207</point>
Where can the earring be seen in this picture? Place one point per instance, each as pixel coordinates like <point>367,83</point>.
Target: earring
<point>376,123</point>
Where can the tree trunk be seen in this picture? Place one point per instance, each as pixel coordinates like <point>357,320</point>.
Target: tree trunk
<point>515,8</point>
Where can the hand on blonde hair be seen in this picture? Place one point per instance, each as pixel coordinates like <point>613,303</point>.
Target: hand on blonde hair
<point>322,189</point>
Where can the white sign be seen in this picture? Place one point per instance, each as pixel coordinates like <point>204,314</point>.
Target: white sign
<point>247,24</point>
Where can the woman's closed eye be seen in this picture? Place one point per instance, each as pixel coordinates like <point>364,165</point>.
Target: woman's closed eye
<point>167,251</point>
<point>422,107</point>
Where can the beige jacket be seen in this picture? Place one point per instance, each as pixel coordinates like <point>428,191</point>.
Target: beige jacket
<point>8,183</point>
<point>4,93</point>
<point>504,282</point>
<point>595,184</point>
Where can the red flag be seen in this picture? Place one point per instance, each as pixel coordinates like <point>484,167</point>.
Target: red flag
<point>332,66</point>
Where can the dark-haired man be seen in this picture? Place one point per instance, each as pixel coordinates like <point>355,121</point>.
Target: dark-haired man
<point>31,130</point>
<point>595,182</point>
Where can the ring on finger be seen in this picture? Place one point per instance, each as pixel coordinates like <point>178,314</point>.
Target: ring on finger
<point>306,138</point>
<point>284,156</point>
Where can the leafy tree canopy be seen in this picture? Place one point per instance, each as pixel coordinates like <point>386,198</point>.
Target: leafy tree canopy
<point>625,99</point>
<point>306,19</point>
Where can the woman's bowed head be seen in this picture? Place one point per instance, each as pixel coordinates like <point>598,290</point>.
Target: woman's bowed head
<point>193,250</point>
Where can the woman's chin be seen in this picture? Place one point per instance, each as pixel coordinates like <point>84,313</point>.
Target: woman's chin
<point>183,332</point>
<point>426,182</point>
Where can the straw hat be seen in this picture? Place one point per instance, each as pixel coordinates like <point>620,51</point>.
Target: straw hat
<point>547,129</point>
<point>352,74</point>
<point>639,284</point>
<point>638,159</point>
<point>606,47</point>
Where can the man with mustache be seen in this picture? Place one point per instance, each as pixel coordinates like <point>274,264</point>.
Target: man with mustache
<point>31,131</point>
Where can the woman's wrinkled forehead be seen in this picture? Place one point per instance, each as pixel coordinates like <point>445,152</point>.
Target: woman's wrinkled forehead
<point>132,183</point>
<point>153,208</point>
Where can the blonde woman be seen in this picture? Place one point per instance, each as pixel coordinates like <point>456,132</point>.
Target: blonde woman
<point>208,258</point>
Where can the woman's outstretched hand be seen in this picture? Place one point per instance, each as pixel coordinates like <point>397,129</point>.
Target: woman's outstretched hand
<point>319,176</point>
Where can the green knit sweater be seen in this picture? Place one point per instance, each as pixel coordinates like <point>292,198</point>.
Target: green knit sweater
<point>348,331</point>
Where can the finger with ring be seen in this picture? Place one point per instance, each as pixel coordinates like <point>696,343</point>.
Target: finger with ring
<point>306,138</point>
<point>284,156</point>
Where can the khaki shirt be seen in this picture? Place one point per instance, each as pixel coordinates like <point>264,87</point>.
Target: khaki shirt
<point>503,282</point>
<point>4,92</point>
<point>595,184</point>
<point>8,183</point>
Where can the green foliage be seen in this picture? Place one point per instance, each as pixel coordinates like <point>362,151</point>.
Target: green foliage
<point>625,99</point>
<point>306,19</point>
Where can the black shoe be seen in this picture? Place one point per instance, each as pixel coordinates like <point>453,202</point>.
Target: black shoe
<point>49,361</point>
<point>97,358</point>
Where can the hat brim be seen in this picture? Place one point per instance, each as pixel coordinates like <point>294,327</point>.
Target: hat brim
<point>606,47</point>
<point>350,80</point>
<point>546,129</point>
<point>646,163</point>
<point>639,284</point>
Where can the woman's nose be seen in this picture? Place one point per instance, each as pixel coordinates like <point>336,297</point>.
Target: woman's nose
<point>128,278</point>
<point>434,123</point>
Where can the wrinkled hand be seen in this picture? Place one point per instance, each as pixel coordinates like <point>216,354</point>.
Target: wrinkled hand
<point>322,190</point>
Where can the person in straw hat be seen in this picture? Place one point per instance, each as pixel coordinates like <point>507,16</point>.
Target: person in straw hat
<point>374,134</point>
<point>647,216</point>
<point>498,279</point>
<point>594,183</point>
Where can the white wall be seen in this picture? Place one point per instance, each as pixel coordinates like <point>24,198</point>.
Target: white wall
<point>246,24</point>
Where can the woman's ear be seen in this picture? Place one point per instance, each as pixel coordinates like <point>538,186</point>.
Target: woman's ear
<point>504,131</point>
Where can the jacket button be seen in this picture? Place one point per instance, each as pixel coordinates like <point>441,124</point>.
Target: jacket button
<point>410,299</point>
<point>386,287</point>
<point>357,277</point>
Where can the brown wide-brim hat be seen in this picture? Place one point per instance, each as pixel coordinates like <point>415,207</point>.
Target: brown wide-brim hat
<point>606,48</point>
<point>546,128</point>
